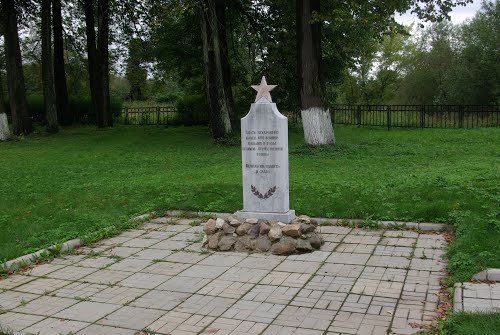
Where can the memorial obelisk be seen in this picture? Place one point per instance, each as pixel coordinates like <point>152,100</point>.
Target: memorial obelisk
<point>264,151</point>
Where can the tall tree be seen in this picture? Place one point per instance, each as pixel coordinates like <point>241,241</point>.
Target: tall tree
<point>218,95</point>
<point>105,118</point>
<point>98,60</point>
<point>64,114</point>
<point>316,118</point>
<point>94,83</point>
<point>136,74</point>
<point>47,78</point>
<point>15,79</point>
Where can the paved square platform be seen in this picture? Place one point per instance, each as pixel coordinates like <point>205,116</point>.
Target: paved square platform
<point>158,280</point>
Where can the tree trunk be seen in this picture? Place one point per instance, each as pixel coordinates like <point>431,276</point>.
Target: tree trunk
<point>106,118</point>
<point>94,81</point>
<point>47,79</point>
<point>220,11</point>
<point>15,78</point>
<point>64,114</point>
<point>219,105</point>
<point>316,119</point>
<point>4,122</point>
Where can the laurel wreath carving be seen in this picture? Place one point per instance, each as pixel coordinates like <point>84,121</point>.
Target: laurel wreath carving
<point>266,195</point>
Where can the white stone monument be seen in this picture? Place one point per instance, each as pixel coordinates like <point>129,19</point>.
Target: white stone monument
<point>264,151</point>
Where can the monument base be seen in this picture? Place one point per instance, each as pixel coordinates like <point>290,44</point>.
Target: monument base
<point>285,217</point>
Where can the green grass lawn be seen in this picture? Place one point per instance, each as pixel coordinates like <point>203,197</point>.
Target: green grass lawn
<point>54,188</point>
<point>472,324</point>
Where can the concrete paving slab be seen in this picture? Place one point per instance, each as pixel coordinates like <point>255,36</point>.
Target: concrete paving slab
<point>157,279</point>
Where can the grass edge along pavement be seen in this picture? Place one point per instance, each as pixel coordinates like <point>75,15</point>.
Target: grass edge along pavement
<point>130,170</point>
<point>27,260</point>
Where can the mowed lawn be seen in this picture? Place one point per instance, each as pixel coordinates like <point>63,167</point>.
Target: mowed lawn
<point>53,188</point>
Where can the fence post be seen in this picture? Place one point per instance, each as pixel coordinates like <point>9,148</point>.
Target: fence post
<point>461,116</point>
<point>388,117</point>
<point>158,115</point>
<point>422,116</point>
<point>126,115</point>
<point>359,115</point>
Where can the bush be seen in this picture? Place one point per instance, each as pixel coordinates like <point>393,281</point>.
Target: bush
<point>35,106</point>
<point>170,97</point>
<point>80,105</point>
<point>192,110</point>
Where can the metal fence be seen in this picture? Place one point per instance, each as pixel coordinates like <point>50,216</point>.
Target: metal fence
<point>417,116</point>
<point>147,115</point>
<point>390,116</point>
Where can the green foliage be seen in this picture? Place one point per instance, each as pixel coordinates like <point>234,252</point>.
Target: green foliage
<point>136,70</point>
<point>471,324</point>
<point>476,242</point>
<point>192,110</point>
<point>442,64</point>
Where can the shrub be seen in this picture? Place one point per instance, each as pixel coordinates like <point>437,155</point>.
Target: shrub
<point>192,110</point>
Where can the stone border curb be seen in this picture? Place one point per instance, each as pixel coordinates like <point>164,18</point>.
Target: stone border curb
<point>488,274</point>
<point>457,297</point>
<point>66,246</point>
<point>424,226</point>
<point>30,258</point>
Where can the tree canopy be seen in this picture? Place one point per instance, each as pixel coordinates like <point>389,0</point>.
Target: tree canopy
<point>157,50</point>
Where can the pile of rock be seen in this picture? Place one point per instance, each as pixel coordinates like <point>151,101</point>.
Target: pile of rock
<point>279,238</point>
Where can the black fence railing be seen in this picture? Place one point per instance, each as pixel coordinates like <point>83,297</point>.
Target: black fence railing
<point>390,116</point>
<point>417,116</point>
<point>147,115</point>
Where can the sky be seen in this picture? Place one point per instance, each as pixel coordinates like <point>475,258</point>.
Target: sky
<point>458,15</point>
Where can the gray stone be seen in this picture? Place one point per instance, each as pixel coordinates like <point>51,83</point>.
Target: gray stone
<point>483,275</point>
<point>243,243</point>
<point>292,229</point>
<point>316,240</point>
<point>494,275</point>
<point>286,246</point>
<point>265,228</point>
<point>228,229</point>
<point>209,228</point>
<point>281,224</point>
<point>213,240</point>
<point>235,223</point>
<point>488,274</point>
<point>243,229</point>
<point>264,145</point>
<point>219,223</point>
<point>275,233</point>
<point>229,218</point>
<point>306,228</point>
<point>302,219</point>
<point>254,231</point>
<point>303,245</point>
<point>226,243</point>
<point>434,226</point>
<point>263,244</point>
<point>252,220</point>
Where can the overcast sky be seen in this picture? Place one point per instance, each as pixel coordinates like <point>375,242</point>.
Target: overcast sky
<point>458,15</point>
